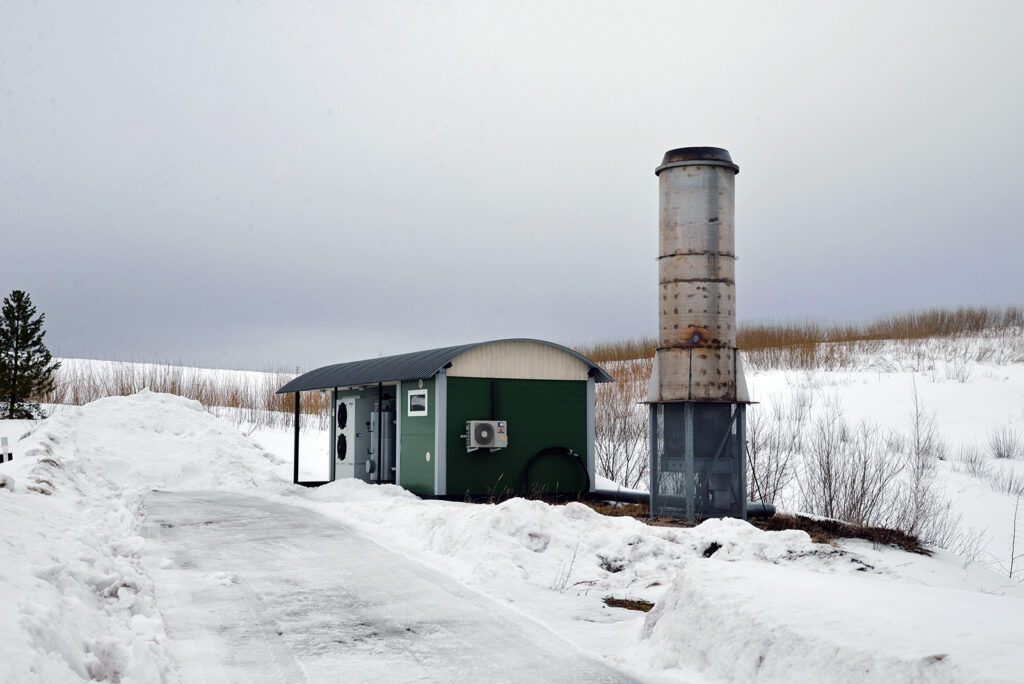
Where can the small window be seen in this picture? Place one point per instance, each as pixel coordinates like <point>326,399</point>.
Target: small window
<point>418,402</point>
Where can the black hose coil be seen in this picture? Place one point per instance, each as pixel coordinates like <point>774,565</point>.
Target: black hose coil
<point>555,450</point>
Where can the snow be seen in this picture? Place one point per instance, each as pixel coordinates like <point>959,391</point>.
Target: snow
<point>308,599</point>
<point>965,414</point>
<point>803,611</point>
<point>81,606</point>
<point>92,591</point>
<point>748,621</point>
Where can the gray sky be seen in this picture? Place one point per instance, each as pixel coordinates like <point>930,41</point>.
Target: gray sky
<point>287,184</point>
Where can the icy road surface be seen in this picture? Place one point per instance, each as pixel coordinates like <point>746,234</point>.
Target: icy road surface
<point>257,591</point>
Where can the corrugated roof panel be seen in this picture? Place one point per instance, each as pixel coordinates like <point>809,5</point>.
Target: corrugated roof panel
<point>412,366</point>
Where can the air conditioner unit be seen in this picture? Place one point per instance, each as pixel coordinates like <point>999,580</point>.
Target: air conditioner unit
<point>486,434</point>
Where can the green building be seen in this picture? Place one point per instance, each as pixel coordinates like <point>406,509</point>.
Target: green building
<point>490,418</point>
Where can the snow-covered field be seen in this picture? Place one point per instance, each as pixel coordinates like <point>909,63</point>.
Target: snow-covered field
<point>732,603</point>
<point>966,400</point>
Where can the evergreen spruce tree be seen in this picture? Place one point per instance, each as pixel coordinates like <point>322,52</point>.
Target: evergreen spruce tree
<point>26,365</point>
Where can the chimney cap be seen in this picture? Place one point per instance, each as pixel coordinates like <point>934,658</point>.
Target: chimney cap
<point>693,156</point>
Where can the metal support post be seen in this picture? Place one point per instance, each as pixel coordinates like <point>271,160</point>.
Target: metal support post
<point>332,446</point>
<point>741,456</point>
<point>295,471</point>
<point>689,484</point>
<point>380,430</point>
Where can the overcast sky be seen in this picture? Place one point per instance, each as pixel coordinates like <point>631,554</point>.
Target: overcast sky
<point>287,184</point>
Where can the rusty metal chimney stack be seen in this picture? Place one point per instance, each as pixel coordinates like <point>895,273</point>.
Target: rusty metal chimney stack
<point>697,271</point>
<point>697,392</point>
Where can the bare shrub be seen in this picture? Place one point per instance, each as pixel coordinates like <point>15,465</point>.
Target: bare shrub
<point>1007,482</point>
<point>922,511</point>
<point>969,545</point>
<point>973,462</point>
<point>1014,556</point>
<point>1005,442</point>
<point>621,424</point>
<point>848,474</point>
<point>942,527</point>
<point>1006,345</point>
<point>774,442</point>
<point>864,476</point>
<point>957,362</point>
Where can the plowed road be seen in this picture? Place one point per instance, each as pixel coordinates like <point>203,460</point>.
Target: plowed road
<point>255,591</point>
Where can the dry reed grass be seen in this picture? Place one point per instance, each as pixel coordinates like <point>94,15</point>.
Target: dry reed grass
<point>620,350</point>
<point>815,345</point>
<point>250,396</point>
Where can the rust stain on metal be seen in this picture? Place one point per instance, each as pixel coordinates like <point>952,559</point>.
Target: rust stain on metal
<point>693,337</point>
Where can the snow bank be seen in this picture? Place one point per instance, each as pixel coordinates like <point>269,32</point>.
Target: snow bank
<point>151,441</point>
<point>732,602</point>
<point>548,546</point>
<point>78,605</point>
<point>746,621</point>
<point>556,563</point>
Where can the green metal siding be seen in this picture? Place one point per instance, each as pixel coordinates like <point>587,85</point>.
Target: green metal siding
<point>540,414</point>
<point>417,441</point>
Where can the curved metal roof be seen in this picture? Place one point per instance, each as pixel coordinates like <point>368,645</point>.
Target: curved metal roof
<point>422,364</point>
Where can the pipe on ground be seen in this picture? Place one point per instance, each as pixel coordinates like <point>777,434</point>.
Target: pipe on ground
<point>755,509</point>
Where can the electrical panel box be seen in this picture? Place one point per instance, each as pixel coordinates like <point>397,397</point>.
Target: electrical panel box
<point>486,434</point>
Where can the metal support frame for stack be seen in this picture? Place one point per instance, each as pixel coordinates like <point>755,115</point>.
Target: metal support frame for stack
<point>696,470</point>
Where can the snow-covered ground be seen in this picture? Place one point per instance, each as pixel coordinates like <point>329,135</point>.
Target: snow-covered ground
<point>967,401</point>
<point>84,601</point>
<point>78,603</point>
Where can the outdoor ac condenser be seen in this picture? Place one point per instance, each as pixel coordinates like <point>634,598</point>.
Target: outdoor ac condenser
<point>486,434</point>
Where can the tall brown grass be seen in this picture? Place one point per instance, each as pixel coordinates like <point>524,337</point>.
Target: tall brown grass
<point>800,344</point>
<point>914,325</point>
<point>620,350</point>
<point>252,396</point>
